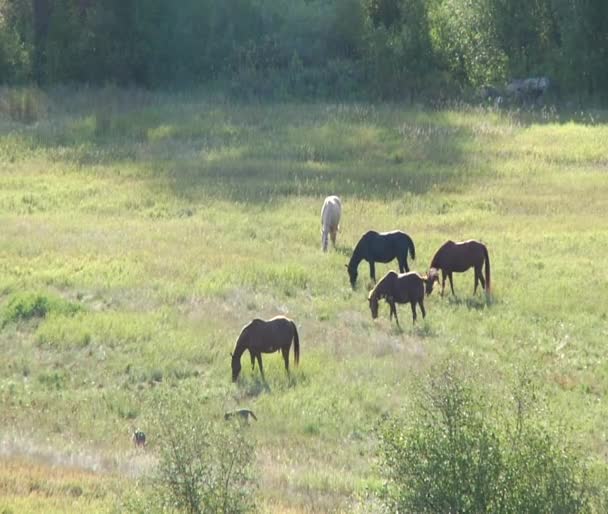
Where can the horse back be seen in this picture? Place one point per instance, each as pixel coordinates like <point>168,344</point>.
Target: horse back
<point>331,211</point>
<point>459,256</point>
<point>408,287</point>
<point>270,335</point>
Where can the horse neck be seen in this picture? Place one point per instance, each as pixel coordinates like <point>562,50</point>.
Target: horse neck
<point>380,290</point>
<point>241,345</point>
<point>357,256</point>
<point>436,261</point>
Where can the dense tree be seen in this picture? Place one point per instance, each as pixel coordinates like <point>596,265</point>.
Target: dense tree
<point>386,48</point>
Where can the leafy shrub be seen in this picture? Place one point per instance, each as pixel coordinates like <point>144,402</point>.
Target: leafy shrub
<point>28,305</point>
<point>456,455</point>
<point>204,466</point>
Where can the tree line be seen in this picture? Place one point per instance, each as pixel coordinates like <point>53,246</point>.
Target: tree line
<point>307,48</point>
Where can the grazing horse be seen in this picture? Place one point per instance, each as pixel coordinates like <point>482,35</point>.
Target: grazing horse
<point>381,247</point>
<point>262,336</point>
<point>330,220</point>
<point>459,257</point>
<point>394,288</point>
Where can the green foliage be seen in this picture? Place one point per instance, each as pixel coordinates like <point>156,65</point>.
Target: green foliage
<point>28,305</point>
<point>204,466</point>
<point>14,56</point>
<point>465,42</point>
<point>345,48</point>
<point>24,104</point>
<point>398,53</point>
<point>455,454</point>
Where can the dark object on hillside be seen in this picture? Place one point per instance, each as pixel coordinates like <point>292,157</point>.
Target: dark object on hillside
<point>528,90</point>
<point>139,439</point>
<point>456,258</point>
<point>402,288</point>
<point>381,247</point>
<point>240,414</point>
<point>269,336</point>
<point>487,92</point>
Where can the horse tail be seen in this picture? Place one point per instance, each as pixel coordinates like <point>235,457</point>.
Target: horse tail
<point>487,258</point>
<point>412,249</point>
<point>296,343</point>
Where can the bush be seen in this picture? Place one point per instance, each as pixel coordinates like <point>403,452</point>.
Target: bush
<point>204,466</point>
<point>456,455</point>
<point>28,305</point>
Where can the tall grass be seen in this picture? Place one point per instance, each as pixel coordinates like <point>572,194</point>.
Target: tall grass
<point>172,220</point>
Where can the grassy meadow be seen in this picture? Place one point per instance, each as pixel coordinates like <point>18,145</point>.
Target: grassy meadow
<point>148,228</point>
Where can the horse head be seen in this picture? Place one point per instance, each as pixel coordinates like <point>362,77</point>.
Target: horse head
<point>431,278</point>
<point>373,304</point>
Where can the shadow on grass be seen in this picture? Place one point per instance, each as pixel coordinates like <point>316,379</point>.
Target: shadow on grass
<point>253,386</point>
<point>261,153</point>
<point>477,302</point>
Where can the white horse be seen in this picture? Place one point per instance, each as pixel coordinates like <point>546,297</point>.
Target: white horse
<point>330,220</point>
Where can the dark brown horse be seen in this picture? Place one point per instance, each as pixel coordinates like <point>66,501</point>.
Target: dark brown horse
<point>381,247</point>
<point>394,288</point>
<point>459,257</point>
<point>262,336</point>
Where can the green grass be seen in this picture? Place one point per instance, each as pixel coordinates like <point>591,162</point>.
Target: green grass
<point>159,225</point>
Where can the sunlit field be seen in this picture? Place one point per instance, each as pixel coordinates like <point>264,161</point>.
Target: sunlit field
<point>149,228</point>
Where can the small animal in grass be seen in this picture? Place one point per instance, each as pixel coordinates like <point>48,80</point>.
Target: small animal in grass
<point>240,414</point>
<point>139,439</point>
<point>330,220</point>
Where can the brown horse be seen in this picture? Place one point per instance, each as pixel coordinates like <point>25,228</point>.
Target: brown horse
<point>459,257</point>
<point>262,336</point>
<point>402,288</point>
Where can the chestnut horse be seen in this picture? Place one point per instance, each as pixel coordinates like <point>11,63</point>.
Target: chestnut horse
<point>459,257</point>
<point>394,288</point>
<point>262,336</point>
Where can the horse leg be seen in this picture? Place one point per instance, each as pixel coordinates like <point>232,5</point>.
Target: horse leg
<point>332,234</point>
<point>402,265</point>
<point>252,355</point>
<point>372,270</point>
<point>285,351</point>
<point>421,302</point>
<point>451,283</point>
<point>259,357</point>
<point>413,305</point>
<point>395,312</point>
<point>443,277</point>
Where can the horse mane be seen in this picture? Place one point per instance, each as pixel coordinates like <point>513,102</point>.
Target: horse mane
<point>373,294</point>
<point>241,341</point>
<point>435,259</point>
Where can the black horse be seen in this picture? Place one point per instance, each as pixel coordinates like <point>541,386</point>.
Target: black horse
<point>381,247</point>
